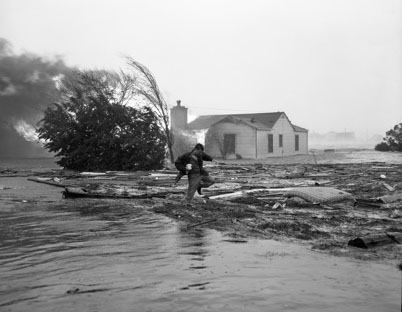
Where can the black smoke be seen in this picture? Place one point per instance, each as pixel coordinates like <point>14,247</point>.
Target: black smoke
<point>27,87</point>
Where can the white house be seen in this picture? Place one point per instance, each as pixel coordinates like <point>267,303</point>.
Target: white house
<point>254,136</point>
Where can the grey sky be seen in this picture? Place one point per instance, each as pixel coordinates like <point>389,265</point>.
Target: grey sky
<point>329,64</point>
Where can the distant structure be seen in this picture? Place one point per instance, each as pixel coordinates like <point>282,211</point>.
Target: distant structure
<point>342,136</point>
<point>179,116</point>
<point>333,139</point>
<point>252,136</point>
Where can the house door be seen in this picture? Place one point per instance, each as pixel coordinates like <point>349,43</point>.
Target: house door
<point>229,143</point>
<point>270,143</point>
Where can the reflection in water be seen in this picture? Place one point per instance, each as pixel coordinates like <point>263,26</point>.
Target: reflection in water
<point>192,243</point>
<point>90,255</point>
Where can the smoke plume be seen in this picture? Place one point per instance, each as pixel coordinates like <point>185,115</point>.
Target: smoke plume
<point>27,88</point>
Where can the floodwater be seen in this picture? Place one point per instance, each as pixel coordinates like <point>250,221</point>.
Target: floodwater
<point>107,255</point>
<point>370,156</point>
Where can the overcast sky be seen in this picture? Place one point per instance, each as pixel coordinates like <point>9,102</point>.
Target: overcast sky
<point>330,65</point>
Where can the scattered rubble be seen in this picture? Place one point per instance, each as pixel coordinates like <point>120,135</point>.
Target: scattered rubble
<point>327,206</point>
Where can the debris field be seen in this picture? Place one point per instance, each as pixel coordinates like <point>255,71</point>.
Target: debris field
<point>346,209</point>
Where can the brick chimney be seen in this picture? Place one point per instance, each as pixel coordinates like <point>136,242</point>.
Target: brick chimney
<point>178,116</point>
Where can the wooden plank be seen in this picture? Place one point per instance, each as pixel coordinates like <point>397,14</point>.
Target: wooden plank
<point>48,181</point>
<point>375,240</point>
<point>245,192</point>
<point>391,198</point>
<point>388,187</point>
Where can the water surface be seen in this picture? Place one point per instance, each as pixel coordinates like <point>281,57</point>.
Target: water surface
<point>90,255</point>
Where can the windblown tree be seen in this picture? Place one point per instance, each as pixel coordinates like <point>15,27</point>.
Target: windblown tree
<point>392,140</point>
<point>93,127</point>
<point>147,88</point>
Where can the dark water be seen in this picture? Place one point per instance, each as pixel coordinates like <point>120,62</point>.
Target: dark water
<point>88,255</point>
<point>28,163</point>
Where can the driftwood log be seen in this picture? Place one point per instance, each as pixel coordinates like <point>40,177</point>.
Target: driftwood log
<point>375,240</point>
<point>245,192</point>
<point>48,181</point>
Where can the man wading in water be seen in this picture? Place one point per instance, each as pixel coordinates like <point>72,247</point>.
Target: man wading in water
<point>191,164</point>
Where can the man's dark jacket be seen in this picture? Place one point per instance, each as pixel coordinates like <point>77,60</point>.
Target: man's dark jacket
<point>184,159</point>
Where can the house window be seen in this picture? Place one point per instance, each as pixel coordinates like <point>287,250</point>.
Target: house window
<point>229,143</point>
<point>296,142</point>
<point>270,143</point>
<point>280,140</point>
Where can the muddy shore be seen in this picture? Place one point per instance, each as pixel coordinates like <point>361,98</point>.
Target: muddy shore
<point>249,199</point>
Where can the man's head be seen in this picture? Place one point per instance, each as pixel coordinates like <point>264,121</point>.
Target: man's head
<point>198,149</point>
<point>199,146</point>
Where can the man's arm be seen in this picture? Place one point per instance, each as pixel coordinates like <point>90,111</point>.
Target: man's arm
<point>181,163</point>
<point>206,157</point>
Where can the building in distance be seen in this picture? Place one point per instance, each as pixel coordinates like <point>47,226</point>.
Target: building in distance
<point>250,136</point>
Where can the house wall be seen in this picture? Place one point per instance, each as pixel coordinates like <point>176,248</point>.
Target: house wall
<point>303,142</point>
<point>253,143</point>
<point>245,139</point>
<point>262,143</point>
<point>284,127</point>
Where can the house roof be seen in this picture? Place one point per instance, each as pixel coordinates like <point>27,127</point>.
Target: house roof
<point>257,120</point>
<point>299,129</point>
<point>251,122</point>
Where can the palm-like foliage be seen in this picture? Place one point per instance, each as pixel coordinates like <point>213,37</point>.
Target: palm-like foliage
<point>147,88</point>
